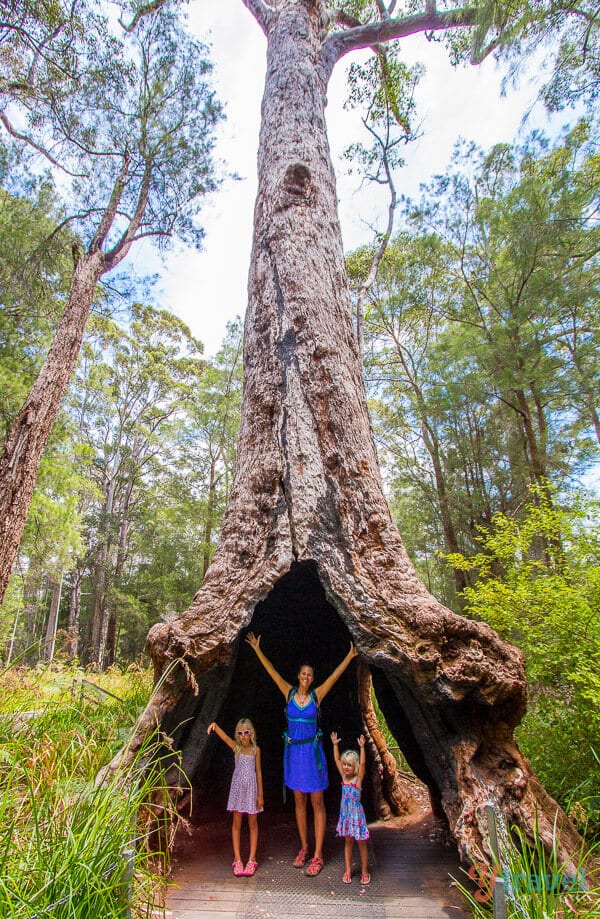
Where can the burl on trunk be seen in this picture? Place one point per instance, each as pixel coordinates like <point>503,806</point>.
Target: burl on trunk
<point>309,556</point>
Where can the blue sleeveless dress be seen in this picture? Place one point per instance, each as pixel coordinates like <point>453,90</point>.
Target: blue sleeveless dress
<point>304,765</point>
<point>352,821</point>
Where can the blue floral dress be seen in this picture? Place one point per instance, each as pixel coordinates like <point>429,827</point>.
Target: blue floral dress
<point>353,821</point>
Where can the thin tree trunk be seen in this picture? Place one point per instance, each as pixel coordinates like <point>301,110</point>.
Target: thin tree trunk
<point>51,629</point>
<point>30,430</point>
<point>74,614</point>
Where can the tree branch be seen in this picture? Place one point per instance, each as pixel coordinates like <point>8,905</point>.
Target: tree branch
<point>122,247</point>
<point>261,12</point>
<point>340,43</point>
<point>144,10</point>
<point>111,209</point>
<point>26,139</point>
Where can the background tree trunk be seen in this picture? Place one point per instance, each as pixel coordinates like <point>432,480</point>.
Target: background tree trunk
<point>309,555</point>
<point>24,446</point>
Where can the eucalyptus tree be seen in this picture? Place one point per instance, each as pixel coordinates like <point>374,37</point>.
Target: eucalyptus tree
<point>308,552</point>
<point>34,279</point>
<point>565,32</point>
<point>130,122</point>
<point>429,414</point>
<point>211,434</point>
<point>522,228</point>
<point>131,399</point>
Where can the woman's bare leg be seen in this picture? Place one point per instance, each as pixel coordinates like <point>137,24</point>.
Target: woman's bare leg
<point>320,817</point>
<point>300,799</point>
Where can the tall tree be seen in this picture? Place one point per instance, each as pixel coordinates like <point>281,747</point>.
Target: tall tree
<point>482,331</point>
<point>130,397</point>
<point>131,121</point>
<point>308,550</point>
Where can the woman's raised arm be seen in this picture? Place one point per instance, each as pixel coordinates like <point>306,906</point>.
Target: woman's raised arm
<point>254,642</point>
<point>322,690</point>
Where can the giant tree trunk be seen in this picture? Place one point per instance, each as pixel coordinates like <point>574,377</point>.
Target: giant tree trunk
<point>309,555</point>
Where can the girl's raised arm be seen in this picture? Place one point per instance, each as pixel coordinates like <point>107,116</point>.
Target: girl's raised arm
<point>254,642</point>
<point>362,761</point>
<point>213,726</point>
<point>322,690</point>
<point>335,740</point>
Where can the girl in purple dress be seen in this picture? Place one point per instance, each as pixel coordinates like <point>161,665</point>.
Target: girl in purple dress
<point>246,792</point>
<point>304,766</point>
<point>352,824</point>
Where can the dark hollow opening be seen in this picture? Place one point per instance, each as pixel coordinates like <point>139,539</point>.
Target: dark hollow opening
<point>297,625</point>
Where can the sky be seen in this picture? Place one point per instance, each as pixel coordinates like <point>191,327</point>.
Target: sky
<point>208,288</point>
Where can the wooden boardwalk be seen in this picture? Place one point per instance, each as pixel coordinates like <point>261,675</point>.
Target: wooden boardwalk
<point>411,877</point>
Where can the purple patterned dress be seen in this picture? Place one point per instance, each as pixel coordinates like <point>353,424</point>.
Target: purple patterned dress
<point>352,820</point>
<point>244,787</point>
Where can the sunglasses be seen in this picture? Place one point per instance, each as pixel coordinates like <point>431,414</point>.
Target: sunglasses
<point>243,733</point>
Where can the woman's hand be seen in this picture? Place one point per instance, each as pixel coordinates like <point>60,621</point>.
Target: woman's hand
<point>212,727</point>
<point>334,738</point>
<point>254,641</point>
<point>361,740</point>
<point>352,652</point>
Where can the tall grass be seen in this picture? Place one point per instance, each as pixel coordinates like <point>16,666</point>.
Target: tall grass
<point>536,883</point>
<point>62,836</point>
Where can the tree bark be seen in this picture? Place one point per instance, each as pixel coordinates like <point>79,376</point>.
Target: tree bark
<point>307,513</point>
<point>30,431</point>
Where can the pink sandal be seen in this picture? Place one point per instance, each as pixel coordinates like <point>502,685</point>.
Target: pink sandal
<point>365,879</point>
<point>238,869</point>
<point>347,877</point>
<point>314,867</point>
<point>300,859</point>
<point>250,868</point>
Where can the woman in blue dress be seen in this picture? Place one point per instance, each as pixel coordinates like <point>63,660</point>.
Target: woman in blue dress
<point>304,766</point>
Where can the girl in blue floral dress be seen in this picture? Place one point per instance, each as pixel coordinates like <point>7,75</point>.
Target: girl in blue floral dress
<point>352,824</point>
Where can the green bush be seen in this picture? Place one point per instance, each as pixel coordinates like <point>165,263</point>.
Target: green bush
<point>538,584</point>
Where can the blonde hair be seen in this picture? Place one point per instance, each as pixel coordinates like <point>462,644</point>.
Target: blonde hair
<point>246,724</point>
<point>351,756</point>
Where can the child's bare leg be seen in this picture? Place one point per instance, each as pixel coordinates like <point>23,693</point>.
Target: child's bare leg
<point>253,827</point>
<point>348,843</point>
<point>236,828</point>
<point>364,858</point>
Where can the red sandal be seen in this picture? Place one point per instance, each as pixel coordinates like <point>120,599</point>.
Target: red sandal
<point>250,868</point>
<point>314,867</point>
<point>238,869</point>
<point>300,859</point>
